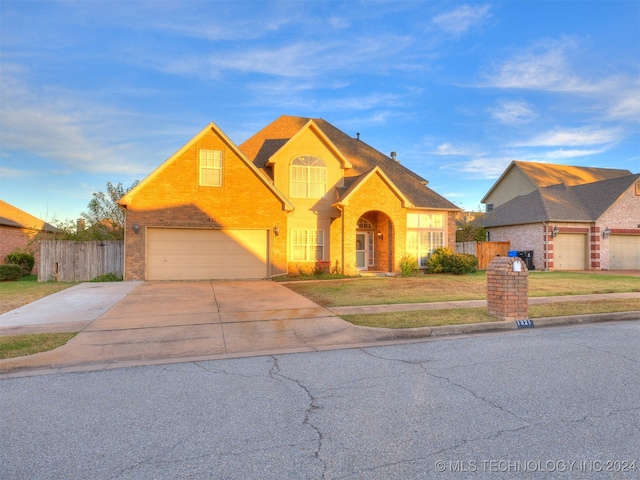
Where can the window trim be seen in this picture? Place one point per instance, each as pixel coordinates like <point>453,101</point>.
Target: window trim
<point>310,248</point>
<point>202,168</point>
<point>310,176</point>
<point>430,231</point>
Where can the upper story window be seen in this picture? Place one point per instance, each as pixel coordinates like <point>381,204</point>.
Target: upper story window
<point>211,168</point>
<point>308,177</point>
<point>425,220</point>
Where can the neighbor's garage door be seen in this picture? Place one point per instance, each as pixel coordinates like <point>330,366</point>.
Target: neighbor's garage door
<point>570,252</point>
<point>624,252</point>
<point>194,254</point>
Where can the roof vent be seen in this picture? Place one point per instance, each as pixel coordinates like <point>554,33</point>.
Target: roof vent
<point>358,136</point>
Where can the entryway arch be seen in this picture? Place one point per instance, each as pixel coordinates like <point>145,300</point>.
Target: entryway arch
<point>374,242</point>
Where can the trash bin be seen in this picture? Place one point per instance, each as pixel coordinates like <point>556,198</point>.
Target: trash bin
<point>527,258</point>
<point>512,253</point>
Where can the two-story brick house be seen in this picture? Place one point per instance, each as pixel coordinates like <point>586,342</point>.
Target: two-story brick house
<point>298,192</point>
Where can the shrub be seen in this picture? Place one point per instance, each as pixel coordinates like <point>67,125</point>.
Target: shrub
<point>23,259</point>
<point>445,260</point>
<point>108,277</point>
<point>409,266</point>
<point>10,271</point>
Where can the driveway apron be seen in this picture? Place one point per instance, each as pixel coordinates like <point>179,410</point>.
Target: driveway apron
<point>168,320</point>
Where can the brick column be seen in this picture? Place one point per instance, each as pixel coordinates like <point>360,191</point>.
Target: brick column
<point>508,289</point>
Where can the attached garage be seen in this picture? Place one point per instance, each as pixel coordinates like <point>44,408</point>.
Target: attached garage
<point>570,252</point>
<point>624,252</point>
<point>203,254</point>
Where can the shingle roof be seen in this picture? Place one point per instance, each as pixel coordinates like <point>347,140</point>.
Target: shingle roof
<point>547,174</point>
<point>579,203</point>
<point>11,216</point>
<point>261,146</point>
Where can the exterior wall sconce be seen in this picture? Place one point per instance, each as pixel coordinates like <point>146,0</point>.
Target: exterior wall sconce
<point>554,232</point>
<point>380,235</point>
<point>276,230</point>
<point>606,233</point>
<point>136,228</point>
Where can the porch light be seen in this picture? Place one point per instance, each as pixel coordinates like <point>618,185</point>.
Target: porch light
<point>606,233</point>
<point>136,228</point>
<point>554,232</point>
<point>380,235</point>
<point>276,230</point>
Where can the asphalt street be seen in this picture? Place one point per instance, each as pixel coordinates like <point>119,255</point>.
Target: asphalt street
<point>542,403</point>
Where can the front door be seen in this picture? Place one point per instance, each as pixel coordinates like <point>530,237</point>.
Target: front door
<point>361,251</point>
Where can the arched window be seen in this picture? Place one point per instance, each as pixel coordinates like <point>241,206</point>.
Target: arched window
<point>364,224</point>
<point>308,177</point>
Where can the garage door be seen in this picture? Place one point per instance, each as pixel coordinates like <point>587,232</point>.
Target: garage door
<point>570,252</point>
<point>624,252</point>
<point>194,254</point>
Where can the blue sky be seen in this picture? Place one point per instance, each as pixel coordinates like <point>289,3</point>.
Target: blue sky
<point>92,92</point>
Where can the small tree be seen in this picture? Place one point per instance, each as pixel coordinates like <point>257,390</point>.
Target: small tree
<point>471,233</point>
<point>104,208</point>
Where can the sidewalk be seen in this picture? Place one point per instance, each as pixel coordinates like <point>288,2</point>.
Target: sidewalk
<point>167,322</point>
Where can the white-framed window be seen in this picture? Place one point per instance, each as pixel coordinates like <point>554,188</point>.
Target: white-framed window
<point>211,168</point>
<point>425,233</point>
<point>308,177</point>
<point>307,245</point>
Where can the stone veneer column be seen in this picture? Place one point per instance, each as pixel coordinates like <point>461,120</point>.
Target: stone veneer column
<point>508,289</point>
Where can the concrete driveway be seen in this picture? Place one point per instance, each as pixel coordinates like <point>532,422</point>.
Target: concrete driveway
<point>139,323</point>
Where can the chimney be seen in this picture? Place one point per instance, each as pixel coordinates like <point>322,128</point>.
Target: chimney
<point>393,156</point>
<point>80,225</point>
<point>358,136</point>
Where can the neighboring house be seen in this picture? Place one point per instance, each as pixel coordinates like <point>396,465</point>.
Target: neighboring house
<point>586,219</point>
<point>298,192</point>
<point>20,230</point>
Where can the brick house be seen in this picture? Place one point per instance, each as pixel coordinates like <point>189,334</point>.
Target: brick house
<point>296,193</point>
<point>20,230</point>
<point>571,218</point>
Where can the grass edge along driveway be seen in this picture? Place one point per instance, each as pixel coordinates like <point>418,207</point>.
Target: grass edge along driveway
<point>439,288</point>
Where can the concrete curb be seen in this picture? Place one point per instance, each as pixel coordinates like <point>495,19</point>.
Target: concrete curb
<point>385,334</point>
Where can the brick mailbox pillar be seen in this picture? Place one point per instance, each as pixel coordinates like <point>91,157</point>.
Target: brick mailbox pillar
<point>508,289</point>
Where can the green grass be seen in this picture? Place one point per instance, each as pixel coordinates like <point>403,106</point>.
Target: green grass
<point>440,288</point>
<point>459,316</point>
<point>26,290</point>
<point>21,345</point>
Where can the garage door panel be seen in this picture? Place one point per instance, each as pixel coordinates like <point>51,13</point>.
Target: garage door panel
<point>193,254</point>
<point>624,252</point>
<point>570,251</point>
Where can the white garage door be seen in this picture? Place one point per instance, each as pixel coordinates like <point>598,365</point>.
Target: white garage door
<point>624,252</point>
<point>570,252</point>
<point>195,254</point>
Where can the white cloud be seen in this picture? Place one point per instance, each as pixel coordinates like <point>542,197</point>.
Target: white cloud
<point>512,112</point>
<point>626,107</point>
<point>57,126</point>
<point>480,167</point>
<point>462,19</point>
<point>449,149</point>
<point>573,137</point>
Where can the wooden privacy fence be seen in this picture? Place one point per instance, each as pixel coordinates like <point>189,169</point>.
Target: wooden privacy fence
<point>69,261</point>
<point>485,251</point>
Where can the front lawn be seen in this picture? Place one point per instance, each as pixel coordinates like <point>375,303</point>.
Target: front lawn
<point>26,290</point>
<point>440,288</point>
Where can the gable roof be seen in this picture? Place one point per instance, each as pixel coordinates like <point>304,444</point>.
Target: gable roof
<point>547,174</point>
<point>361,157</point>
<point>362,179</point>
<point>286,204</point>
<point>557,203</point>
<point>11,216</point>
